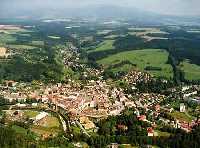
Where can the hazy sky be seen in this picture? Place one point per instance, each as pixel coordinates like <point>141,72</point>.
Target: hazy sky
<point>175,7</point>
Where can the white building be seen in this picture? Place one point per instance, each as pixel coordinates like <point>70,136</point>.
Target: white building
<point>182,107</point>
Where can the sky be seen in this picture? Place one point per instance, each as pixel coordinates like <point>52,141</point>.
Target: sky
<point>172,7</point>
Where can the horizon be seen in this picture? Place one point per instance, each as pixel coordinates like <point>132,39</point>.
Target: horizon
<point>13,8</point>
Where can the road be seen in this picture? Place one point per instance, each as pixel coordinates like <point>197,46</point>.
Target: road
<point>82,128</point>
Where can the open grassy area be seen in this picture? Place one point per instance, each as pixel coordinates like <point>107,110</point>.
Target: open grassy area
<point>21,47</point>
<point>19,129</point>
<point>30,113</point>
<point>52,122</point>
<point>38,130</point>
<point>111,36</point>
<point>181,116</point>
<point>37,43</point>
<point>161,134</point>
<point>103,32</point>
<point>191,71</point>
<point>140,60</point>
<point>106,45</point>
<point>6,38</point>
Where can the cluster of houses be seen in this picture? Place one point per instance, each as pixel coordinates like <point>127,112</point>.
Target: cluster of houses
<point>96,99</point>
<point>134,77</point>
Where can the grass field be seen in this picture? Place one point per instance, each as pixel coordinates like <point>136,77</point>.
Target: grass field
<point>103,32</point>
<point>52,122</point>
<point>106,45</point>
<point>50,125</point>
<point>6,38</point>
<point>21,46</point>
<point>181,116</point>
<point>191,71</point>
<point>19,129</point>
<point>38,130</point>
<point>37,43</point>
<point>161,134</point>
<point>142,58</point>
<point>30,113</point>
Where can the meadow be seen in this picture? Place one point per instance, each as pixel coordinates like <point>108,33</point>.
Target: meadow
<point>140,60</point>
<point>191,71</point>
<point>105,45</point>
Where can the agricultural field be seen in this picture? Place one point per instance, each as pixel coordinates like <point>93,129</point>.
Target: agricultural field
<point>143,32</point>
<point>140,60</point>
<point>105,45</point>
<point>191,71</point>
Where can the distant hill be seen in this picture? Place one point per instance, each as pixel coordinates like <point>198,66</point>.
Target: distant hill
<point>101,12</point>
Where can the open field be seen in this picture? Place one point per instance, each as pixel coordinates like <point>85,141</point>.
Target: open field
<point>106,45</point>
<point>37,43</point>
<point>52,122</point>
<point>50,125</point>
<point>111,36</point>
<point>191,71</point>
<point>103,32</point>
<point>181,116</point>
<point>142,59</point>
<point>21,46</point>
<point>30,113</point>
<point>6,38</point>
<point>161,134</point>
<point>38,130</point>
<point>143,32</point>
<point>19,129</point>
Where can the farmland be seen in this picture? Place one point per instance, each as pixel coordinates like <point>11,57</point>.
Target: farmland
<point>105,45</point>
<point>141,59</point>
<point>191,71</point>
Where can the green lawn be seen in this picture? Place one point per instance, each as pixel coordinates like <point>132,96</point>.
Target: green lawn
<point>191,71</point>
<point>30,113</point>
<point>106,45</point>
<point>19,129</point>
<point>142,58</point>
<point>181,116</point>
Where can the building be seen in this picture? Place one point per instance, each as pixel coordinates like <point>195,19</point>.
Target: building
<point>150,131</point>
<point>182,107</point>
